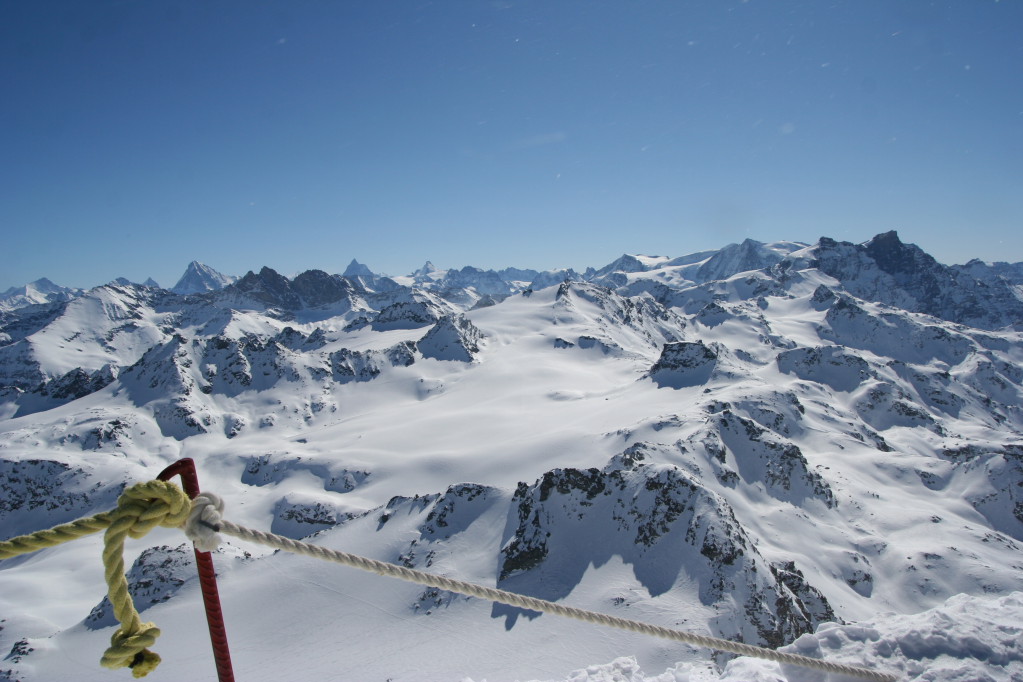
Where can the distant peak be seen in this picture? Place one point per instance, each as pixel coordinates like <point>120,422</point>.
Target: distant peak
<point>885,240</point>
<point>268,274</point>
<point>199,278</point>
<point>427,269</point>
<point>891,252</point>
<point>624,263</point>
<point>357,269</point>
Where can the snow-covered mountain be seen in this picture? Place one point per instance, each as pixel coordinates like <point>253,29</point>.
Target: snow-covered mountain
<point>756,442</point>
<point>40,291</point>
<point>888,271</point>
<point>200,278</point>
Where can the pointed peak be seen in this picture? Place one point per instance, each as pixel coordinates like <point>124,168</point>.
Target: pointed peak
<point>357,269</point>
<point>624,263</point>
<point>44,284</point>
<point>199,278</point>
<point>197,266</point>
<point>428,271</point>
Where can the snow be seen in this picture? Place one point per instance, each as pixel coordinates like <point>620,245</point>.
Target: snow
<point>873,450</point>
<point>964,639</point>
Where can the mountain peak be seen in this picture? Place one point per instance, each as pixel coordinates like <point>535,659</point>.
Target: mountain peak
<point>357,269</point>
<point>44,285</point>
<point>736,258</point>
<point>887,239</point>
<point>428,269</point>
<point>200,278</point>
<point>41,290</point>
<point>887,270</point>
<point>624,263</point>
<point>894,256</point>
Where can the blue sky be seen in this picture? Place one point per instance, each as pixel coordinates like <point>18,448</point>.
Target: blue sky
<point>138,136</point>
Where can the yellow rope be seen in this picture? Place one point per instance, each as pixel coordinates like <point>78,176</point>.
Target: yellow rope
<point>23,544</point>
<point>140,508</point>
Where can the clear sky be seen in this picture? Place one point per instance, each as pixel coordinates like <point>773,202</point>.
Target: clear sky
<point>138,136</point>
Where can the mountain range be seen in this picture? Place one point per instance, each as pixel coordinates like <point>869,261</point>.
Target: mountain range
<point>757,442</point>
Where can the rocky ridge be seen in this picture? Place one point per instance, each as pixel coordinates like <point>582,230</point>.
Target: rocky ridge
<point>683,419</point>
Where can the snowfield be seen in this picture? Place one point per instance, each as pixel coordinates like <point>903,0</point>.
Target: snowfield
<point>816,447</point>
<point>966,639</point>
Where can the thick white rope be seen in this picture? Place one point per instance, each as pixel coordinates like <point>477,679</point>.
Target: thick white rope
<point>207,523</point>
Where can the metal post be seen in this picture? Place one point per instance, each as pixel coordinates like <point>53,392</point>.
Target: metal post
<point>207,576</point>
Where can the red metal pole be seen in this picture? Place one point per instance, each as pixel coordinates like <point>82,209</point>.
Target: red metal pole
<point>207,576</point>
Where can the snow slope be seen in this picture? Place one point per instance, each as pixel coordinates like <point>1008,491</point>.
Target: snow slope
<point>754,456</point>
<point>34,293</point>
<point>966,638</point>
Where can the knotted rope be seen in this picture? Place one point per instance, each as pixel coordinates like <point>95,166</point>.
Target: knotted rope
<point>202,520</point>
<point>205,523</point>
<point>140,508</point>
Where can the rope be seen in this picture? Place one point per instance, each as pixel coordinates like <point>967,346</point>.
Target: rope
<point>51,537</point>
<point>140,508</point>
<point>207,524</point>
<point>144,506</point>
<point>206,509</point>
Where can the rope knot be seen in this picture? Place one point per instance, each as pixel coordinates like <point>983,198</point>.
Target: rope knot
<point>140,508</point>
<point>131,650</point>
<point>204,521</point>
<point>146,505</point>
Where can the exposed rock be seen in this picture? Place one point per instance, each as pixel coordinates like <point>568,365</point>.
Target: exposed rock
<point>270,288</point>
<point>669,527</point>
<point>451,338</point>
<point>833,366</point>
<point>270,468</point>
<point>684,363</point>
<point>39,493</point>
<point>348,365</point>
<point>887,270</point>
<point>316,288</point>
<point>154,577</point>
<point>296,517</point>
<point>760,455</point>
<point>407,315</point>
